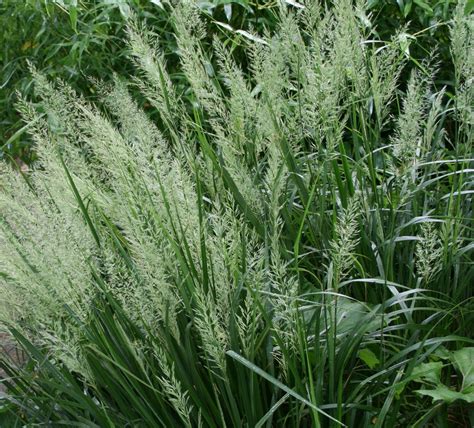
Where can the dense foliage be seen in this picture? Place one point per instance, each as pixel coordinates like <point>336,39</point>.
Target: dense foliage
<point>79,40</point>
<point>267,227</point>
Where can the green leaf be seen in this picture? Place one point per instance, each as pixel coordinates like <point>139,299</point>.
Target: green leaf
<point>73,15</point>
<point>20,132</point>
<point>369,358</point>
<point>351,314</point>
<point>218,162</point>
<point>430,372</point>
<point>407,9</point>
<point>294,4</point>
<point>125,10</point>
<point>277,383</point>
<point>372,4</point>
<point>398,390</point>
<point>80,201</point>
<point>404,40</point>
<point>209,6</point>
<point>272,410</point>
<point>469,7</point>
<point>441,354</point>
<point>424,6</point>
<point>158,3</point>
<point>443,393</point>
<point>228,11</point>
<point>243,3</point>
<point>464,362</point>
<point>123,7</point>
<point>401,5</point>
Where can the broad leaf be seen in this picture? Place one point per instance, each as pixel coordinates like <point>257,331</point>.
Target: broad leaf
<point>369,358</point>
<point>464,362</point>
<point>443,393</point>
<point>424,6</point>
<point>430,372</point>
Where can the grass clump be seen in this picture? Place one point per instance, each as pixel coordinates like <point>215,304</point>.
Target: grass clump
<point>287,246</point>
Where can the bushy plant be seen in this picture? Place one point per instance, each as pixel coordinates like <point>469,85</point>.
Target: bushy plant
<point>285,247</point>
